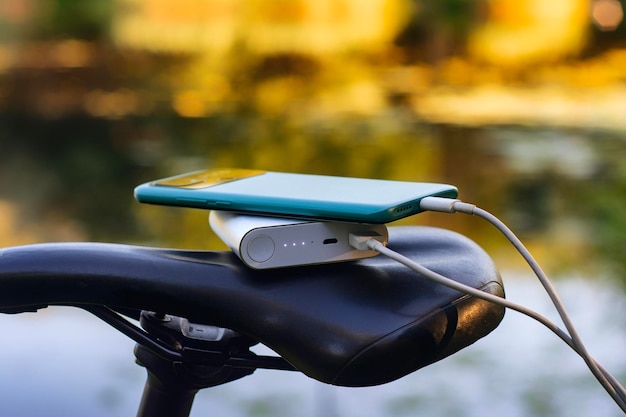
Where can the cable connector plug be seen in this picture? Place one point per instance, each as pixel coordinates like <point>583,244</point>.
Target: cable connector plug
<point>365,241</point>
<point>446,205</point>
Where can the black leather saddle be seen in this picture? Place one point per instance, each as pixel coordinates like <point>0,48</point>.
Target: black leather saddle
<point>353,324</point>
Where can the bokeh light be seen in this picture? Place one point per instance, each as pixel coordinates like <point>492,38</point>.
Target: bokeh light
<point>607,15</point>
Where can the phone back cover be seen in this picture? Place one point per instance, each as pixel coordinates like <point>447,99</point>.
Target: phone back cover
<point>300,195</point>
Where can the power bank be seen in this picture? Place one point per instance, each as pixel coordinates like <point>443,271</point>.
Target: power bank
<point>271,242</point>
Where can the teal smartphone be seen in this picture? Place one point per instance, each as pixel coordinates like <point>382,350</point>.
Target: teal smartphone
<point>293,195</point>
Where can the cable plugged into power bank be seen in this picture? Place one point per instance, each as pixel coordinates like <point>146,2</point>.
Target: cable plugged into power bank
<point>362,241</point>
<point>571,337</point>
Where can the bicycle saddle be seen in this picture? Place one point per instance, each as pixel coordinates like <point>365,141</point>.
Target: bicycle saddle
<point>353,324</point>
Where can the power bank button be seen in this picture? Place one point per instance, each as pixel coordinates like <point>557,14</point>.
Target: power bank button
<point>261,248</point>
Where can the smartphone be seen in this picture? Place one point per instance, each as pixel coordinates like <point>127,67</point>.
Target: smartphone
<point>293,195</point>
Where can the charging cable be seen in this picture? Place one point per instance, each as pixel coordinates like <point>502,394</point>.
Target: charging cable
<point>571,337</point>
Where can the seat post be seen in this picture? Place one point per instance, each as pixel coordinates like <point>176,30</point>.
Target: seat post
<point>160,399</point>
<point>173,382</point>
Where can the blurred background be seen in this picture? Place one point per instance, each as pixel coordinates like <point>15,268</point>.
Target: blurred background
<point>521,105</point>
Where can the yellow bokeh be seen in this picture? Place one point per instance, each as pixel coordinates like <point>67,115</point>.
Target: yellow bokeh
<point>176,26</point>
<point>529,31</point>
<point>189,104</point>
<point>322,26</point>
<point>216,26</point>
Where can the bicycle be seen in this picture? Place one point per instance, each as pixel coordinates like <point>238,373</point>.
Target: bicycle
<point>360,323</point>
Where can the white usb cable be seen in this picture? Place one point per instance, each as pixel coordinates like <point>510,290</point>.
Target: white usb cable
<point>571,337</point>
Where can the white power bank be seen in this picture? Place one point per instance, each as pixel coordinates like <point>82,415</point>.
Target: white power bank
<point>271,242</point>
